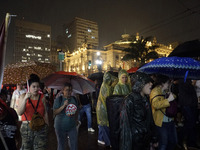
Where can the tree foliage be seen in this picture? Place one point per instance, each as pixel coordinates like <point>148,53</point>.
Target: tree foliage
<point>139,50</point>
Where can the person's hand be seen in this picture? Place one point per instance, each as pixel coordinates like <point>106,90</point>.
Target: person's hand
<point>28,95</point>
<point>65,103</point>
<point>171,97</point>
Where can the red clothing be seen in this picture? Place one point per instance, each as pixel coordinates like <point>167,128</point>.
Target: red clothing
<point>29,111</point>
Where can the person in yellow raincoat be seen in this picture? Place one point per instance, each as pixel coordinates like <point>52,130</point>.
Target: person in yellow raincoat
<point>106,90</point>
<point>165,126</point>
<point>123,87</point>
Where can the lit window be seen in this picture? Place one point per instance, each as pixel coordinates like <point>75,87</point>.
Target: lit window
<point>46,59</point>
<point>24,60</point>
<point>89,30</point>
<point>24,50</point>
<point>38,48</point>
<point>93,37</point>
<point>39,59</point>
<point>27,54</point>
<point>39,55</point>
<point>48,35</point>
<point>69,35</point>
<point>67,31</point>
<point>24,57</point>
<point>34,37</point>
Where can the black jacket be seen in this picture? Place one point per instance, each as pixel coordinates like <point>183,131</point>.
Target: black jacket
<point>187,94</point>
<point>140,119</point>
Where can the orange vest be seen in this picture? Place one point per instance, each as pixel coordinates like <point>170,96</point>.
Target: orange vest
<point>29,110</point>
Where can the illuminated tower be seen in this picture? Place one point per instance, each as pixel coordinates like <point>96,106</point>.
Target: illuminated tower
<point>81,31</point>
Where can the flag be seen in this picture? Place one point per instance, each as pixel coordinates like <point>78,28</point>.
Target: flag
<point>3,41</point>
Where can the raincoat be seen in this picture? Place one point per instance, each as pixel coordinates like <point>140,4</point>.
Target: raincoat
<point>106,90</point>
<point>122,88</point>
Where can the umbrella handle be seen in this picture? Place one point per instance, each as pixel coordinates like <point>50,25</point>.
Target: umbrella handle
<point>27,86</point>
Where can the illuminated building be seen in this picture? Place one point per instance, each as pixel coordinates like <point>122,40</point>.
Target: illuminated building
<point>86,60</point>
<point>81,31</point>
<point>32,42</point>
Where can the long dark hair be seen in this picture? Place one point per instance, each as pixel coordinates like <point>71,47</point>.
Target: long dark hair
<point>160,79</point>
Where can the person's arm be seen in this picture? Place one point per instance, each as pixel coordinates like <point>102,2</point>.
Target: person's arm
<point>22,102</point>
<point>13,100</point>
<point>117,90</point>
<point>58,110</point>
<point>158,102</point>
<point>46,118</point>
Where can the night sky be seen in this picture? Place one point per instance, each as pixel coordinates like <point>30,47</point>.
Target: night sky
<point>168,20</point>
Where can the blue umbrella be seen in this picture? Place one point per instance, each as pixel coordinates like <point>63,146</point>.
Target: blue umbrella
<point>173,67</point>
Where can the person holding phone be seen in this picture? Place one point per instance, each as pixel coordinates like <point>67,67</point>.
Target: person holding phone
<point>160,97</point>
<point>65,112</point>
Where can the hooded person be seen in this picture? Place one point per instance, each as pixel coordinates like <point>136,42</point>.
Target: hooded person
<point>136,120</point>
<point>106,90</point>
<point>123,87</point>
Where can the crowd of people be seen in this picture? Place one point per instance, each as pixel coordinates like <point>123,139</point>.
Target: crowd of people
<point>143,121</point>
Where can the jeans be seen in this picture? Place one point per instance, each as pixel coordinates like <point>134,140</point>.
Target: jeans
<point>104,135</point>
<point>167,136</point>
<point>62,139</point>
<point>87,110</point>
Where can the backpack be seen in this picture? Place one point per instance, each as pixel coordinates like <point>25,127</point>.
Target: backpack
<point>37,121</point>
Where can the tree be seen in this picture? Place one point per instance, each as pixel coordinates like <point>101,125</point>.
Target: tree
<point>140,52</point>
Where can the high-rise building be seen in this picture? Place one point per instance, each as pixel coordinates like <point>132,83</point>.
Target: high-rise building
<point>32,42</point>
<point>81,31</point>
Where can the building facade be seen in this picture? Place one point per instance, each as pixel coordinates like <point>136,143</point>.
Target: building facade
<point>87,60</point>
<point>81,31</point>
<point>32,42</point>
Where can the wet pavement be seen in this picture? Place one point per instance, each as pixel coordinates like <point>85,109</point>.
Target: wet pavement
<point>87,140</point>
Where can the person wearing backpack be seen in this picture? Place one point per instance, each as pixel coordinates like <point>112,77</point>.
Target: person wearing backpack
<point>65,112</point>
<point>160,99</point>
<point>32,108</point>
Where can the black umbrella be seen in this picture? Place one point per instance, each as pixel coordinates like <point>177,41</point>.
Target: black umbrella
<point>99,76</point>
<point>187,49</point>
<point>96,76</point>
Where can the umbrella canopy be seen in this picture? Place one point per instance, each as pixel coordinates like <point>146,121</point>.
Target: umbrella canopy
<point>80,84</point>
<point>132,70</point>
<point>187,49</point>
<point>20,71</point>
<point>96,76</point>
<point>173,67</point>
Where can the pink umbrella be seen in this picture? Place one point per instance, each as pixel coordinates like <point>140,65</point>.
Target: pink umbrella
<point>80,84</point>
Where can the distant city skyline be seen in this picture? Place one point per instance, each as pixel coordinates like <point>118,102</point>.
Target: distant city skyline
<point>168,21</point>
